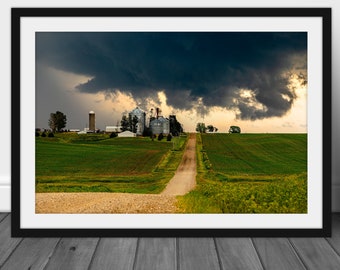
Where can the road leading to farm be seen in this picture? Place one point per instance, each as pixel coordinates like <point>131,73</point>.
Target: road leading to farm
<point>183,181</point>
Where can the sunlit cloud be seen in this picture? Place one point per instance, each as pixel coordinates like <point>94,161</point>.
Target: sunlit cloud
<point>255,80</point>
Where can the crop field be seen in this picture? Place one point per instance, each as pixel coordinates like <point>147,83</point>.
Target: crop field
<point>249,173</point>
<point>96,163</point>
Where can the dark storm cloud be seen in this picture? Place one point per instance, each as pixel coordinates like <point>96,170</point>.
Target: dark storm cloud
<point>188,67</point>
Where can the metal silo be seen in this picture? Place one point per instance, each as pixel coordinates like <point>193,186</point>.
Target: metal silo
<point>156,126</point>
<point>160,125</point>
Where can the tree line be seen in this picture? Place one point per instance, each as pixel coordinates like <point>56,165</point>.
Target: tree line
<point>201,128</point>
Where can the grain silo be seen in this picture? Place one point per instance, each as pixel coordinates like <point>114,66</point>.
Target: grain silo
<point>92,121</point>
<point>160,125</point>
<point>140,114</point>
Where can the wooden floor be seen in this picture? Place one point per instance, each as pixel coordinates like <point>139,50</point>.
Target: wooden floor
<point>168,253</point>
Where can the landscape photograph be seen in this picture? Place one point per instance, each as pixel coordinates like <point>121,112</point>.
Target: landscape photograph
<point>171,122</point>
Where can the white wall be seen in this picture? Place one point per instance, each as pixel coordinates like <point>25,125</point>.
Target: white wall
<point>5,54</point>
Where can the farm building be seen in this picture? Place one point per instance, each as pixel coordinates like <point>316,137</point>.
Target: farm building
<point>127,134</point>
<point>160,125</point>
<point>110,129</point>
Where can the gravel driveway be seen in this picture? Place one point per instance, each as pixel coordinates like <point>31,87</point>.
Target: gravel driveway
<point>183,181</point>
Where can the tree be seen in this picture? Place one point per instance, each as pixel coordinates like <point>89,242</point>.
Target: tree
<point>211,128</point>
<point>200,127</point>
<point>160,136</point>
<point>175,126</point>
<point>234,129</point>
<point>57,121</point>
<point>129,123</point>
<point>168,138</point>
<point>125,123</point>
<point>147,132</point>
<point>113,135</point>
<point>133,123</point>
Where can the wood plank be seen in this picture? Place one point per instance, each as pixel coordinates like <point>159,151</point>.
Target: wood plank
<point>334,241</point>
<point>73,253</point>
<point>32,253</point>
<point>197,254</point>
<point>277,253</point>
<point>7,244</point>
<point>316,253</point>
<point>114,253</point>
<point>153,253</point>
<point>156,253</point>
<point>238,253</point>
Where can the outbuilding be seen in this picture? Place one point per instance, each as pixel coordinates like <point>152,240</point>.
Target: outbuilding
<point>127,134</point>
<point>116,129</point>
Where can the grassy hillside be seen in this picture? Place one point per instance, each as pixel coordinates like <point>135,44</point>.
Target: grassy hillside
<point>72,162</point>
<point>256,154</point>
<point>250,173</point>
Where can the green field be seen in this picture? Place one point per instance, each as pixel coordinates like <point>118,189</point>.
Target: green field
<point>249,173</point>
<point>96,163</point>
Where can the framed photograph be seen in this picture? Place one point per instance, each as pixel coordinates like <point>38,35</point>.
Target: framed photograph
<point>171,122</point>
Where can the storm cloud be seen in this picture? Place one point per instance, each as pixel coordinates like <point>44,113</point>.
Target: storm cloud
<point>248,72</point>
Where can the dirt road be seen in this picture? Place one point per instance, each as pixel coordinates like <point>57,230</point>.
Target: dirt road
<point>183,181</point>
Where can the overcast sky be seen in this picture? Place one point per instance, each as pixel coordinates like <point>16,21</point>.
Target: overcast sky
<point>256,80</point>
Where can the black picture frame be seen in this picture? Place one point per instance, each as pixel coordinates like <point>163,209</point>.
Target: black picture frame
<point>18,215</point>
